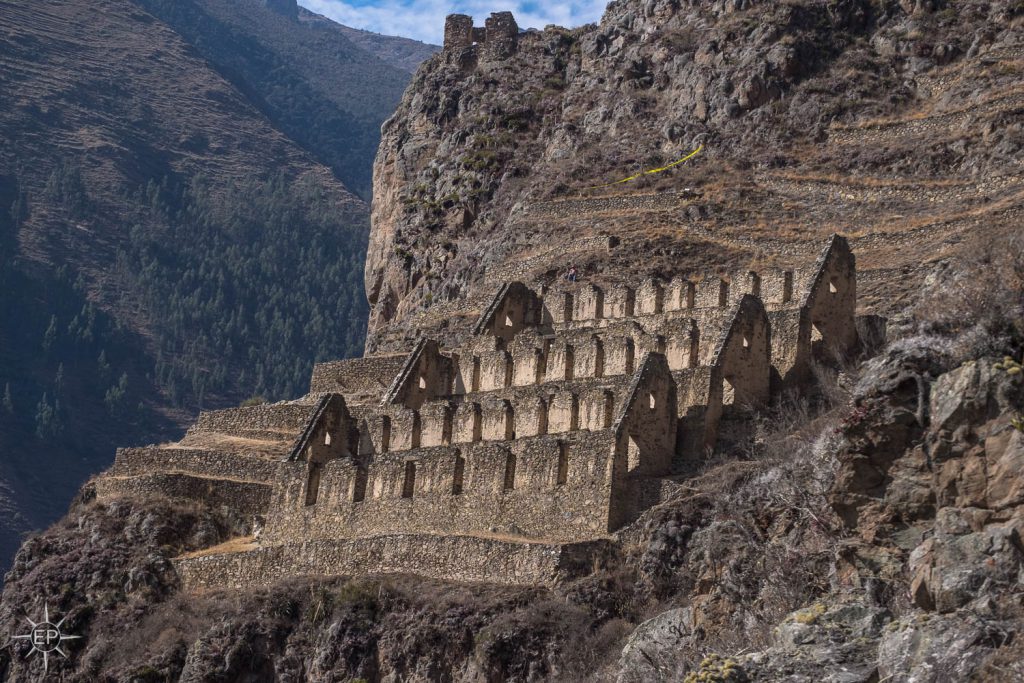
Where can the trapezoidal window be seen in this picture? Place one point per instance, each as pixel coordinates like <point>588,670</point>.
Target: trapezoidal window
<point>652,401</point>
<point>723,293</point>
<point>423,382</point>
<point>327,438</point>
<point>409,483</point>
<point>562,475</point>
<point>510,472</point>
<point>508,321</point>
<point>313,483</point>
<point>458,475</point>
<point>474,381</point>
<point>832,288</point>
<point>359,485</point>
<point>475,423</point>
<point>417,429</point>
<point>385,434</point>
<point>632,454</point>
<point>728,392</point>
<point>787,286</point>
<point>755,284</point>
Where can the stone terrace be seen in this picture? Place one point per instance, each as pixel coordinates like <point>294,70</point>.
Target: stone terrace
<point>569,411</point>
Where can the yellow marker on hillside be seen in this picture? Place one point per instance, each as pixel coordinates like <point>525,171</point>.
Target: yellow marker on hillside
<point>652,171</point>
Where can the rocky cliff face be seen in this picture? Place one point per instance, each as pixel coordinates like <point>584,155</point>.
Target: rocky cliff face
<point>790,100</point>
<point>873,532</point>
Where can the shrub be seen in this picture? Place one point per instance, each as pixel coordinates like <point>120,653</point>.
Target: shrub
<point>978,302</point>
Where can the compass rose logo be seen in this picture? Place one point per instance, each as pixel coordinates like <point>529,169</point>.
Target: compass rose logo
<point>46,637</point>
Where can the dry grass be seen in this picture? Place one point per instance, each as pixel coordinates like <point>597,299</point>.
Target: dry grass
<point>241,544</point>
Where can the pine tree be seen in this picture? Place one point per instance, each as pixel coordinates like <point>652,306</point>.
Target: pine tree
<point>47,420</point>
<point>50,336</point>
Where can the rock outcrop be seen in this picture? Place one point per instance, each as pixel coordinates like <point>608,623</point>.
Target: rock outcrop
<point>827,92</point>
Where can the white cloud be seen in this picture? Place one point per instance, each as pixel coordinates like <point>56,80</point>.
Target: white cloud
<point>424,19</point>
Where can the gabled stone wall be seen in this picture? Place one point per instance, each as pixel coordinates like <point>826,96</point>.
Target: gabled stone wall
<point>556,422</point>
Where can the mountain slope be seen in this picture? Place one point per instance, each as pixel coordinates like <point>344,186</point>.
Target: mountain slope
<point>402,53</point>
<point>166,245</point>
<point>870,529</point>
<point>314,84</point>
<point>864,118</point>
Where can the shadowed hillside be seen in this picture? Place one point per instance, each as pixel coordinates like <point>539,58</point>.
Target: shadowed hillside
<point>167,244</point>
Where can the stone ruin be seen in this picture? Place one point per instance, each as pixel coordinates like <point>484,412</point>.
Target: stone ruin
<point>518,456</point>
<point>499,37</point>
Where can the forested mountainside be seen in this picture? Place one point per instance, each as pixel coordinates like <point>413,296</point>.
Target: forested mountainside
<point>180,221</point>
<point>401,53</point>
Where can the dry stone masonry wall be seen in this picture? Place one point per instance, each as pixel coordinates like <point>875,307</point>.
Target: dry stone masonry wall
<point>556,423</point>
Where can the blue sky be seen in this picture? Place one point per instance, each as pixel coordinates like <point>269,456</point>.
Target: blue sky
<point>424,19</point>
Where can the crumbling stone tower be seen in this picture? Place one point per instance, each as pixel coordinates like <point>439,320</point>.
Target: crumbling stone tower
<point>498,38</point>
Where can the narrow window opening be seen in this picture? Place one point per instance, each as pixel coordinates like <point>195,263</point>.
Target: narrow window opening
<point>510,472</point>
<point>728,392</point>
<point>359,486</point>
<point>755,284</point>
<point>598,358</point>
<point>746,342</point>
<point>423,382</point>
<point>609,408</point>
<point>327,439</point>
<point>632,454</point>
<point>694,348</point>
<point>475,379</point>
<point>563,464</point>
<point>446,426</point>
<point>542,418</point>
<point>508,321</point>
<point>832,287</point>
<point>630,303</point>
<point>630,356</point>
<point>459,475</point>
<point>652,401</point>
<point>313,483</point>
<point>570,362</point>
<point>409,484</point>
<point>787,286</point>
<point>417,429</point>
<point>385,434</point>
<point>723,293</point>
<point>476,423</point>
<point>510,423</point>
<point>691,294</point>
